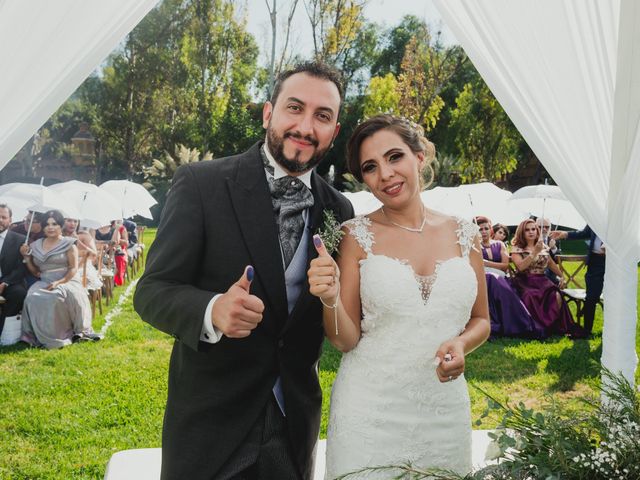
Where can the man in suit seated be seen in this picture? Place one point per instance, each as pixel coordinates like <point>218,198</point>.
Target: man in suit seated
<point>12,270</point>
<point>594,277</point>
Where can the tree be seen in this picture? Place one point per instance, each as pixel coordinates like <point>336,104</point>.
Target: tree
<point>486,140</point>
<point>276,66</point>
<point>179,75</point>
<point>425,69</point>
<point>394,43</point>
<point>217,53</point>
<point>382,96</point>
<point>341,37</point>
<point>423,73</point>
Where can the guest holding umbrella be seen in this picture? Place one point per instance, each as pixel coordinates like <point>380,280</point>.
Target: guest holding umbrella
<point>509,316</point>
<point>56,310</point>
<point>540,295</point>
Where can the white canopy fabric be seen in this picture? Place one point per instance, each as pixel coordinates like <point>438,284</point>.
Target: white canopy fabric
<point>567,74</point>
<point>47,49</point>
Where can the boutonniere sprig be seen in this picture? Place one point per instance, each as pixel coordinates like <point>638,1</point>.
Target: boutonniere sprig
<point>330,232</point>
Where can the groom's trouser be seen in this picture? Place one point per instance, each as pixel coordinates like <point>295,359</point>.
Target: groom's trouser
<point>266,451</point>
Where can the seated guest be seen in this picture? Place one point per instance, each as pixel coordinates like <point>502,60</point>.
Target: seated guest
<point>115,235</point>
<point>132,248</point>
<point>509,317</point>
<point>501,233</point>
<point>56,310</point>
<point>87,252</point>
<point>539,294</point>
<point>70,227</point>
<point>12,271</point>
<point>36,232</point>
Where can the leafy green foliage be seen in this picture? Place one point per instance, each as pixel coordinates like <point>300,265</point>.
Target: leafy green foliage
<point>486,140</point>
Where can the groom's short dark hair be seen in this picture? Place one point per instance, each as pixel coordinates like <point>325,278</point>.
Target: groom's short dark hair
<point>319,70</point>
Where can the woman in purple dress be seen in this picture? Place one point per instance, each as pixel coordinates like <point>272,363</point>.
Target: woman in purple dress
<point>509,316</point>
<point>540,295</point>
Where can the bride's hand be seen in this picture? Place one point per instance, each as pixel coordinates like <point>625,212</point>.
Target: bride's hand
<point>324,274</point>
<point>450,360</point>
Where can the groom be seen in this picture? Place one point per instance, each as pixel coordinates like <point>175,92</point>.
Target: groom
<point>226,277</point>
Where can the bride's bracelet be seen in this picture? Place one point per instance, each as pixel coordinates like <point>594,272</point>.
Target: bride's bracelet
<point>334,307</point>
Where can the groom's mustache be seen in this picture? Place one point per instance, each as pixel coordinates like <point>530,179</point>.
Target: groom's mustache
<point>298,136</point>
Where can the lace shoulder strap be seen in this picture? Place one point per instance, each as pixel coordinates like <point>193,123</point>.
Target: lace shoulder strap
<point>359,228</point>
<point>467,232</point>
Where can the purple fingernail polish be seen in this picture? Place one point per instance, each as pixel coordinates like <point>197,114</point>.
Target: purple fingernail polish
<point>250,273</point>
<point>317,241</point>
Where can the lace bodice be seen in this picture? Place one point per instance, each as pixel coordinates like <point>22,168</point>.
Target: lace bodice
<point>538,265</point>
<point>387,383</point>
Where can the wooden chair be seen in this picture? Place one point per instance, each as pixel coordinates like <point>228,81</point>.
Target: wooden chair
<point>570,277</point>
<point>105,270</point>
<point>95,295</point>
<point>140,258</point>
<point>578,293</point>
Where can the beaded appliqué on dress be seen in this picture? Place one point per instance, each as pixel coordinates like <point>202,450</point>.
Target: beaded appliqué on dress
<point>426,284</point>
<point>359,228</point>
<point>467,233</point>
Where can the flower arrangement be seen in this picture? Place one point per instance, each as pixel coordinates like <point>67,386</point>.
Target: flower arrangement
<point>600,443</point>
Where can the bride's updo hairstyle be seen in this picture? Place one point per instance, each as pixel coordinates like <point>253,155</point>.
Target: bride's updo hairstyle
<point>411,134</point>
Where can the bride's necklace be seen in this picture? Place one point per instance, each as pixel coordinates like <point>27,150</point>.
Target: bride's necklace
<point>404,227</point>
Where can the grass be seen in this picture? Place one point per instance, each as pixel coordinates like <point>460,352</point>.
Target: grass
<point>63,413</point>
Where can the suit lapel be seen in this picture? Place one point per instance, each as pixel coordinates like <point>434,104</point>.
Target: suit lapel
<point>321,203</point>
<point>251,202</point>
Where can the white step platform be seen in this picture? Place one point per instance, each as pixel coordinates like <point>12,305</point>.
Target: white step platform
<point>144,463</point>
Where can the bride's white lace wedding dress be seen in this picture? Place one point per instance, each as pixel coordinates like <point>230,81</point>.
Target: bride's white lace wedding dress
<point>387,404</point>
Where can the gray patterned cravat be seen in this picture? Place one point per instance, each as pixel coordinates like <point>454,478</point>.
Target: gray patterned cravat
<point>290,197</point>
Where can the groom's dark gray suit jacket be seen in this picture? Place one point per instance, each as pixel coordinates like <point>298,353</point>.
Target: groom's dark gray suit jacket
<point>218,218</point>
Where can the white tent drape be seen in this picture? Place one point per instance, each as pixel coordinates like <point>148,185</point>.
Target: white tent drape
<point>567,74</point>
<point>47,49</point>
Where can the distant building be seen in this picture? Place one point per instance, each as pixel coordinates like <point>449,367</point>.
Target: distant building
<point>79,164</point>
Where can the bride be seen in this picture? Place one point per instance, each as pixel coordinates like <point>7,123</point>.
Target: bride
<point>405,302</point>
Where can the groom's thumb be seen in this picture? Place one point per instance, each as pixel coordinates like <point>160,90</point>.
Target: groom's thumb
<point>247,277</point>
<point>320,248</point>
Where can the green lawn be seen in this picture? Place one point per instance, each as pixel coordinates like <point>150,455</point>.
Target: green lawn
<point>63,413</point>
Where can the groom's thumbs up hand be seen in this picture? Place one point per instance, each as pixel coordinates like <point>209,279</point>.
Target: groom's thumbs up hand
<point>323,274</point>
<point>236,313</point>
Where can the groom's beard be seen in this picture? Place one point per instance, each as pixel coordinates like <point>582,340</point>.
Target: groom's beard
<point>276,147</point>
